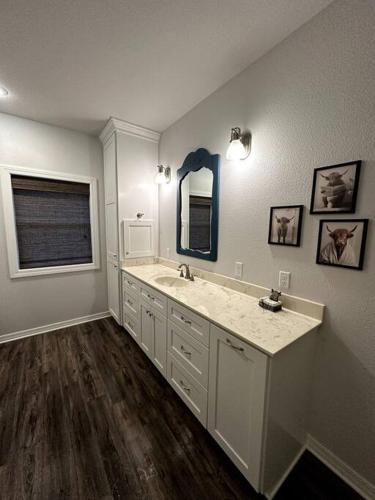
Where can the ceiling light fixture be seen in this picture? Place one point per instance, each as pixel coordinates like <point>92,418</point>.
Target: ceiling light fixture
<point>239,147</point>
<point>164,175</point>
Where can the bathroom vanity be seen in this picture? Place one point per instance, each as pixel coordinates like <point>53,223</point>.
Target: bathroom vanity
<point>243,371</point>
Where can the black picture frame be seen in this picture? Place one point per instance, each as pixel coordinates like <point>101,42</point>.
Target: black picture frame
<point>353,189</point>
<point>280,236</point>
<point>332,223</point>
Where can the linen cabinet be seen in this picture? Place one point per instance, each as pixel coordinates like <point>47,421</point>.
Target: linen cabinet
<point>130,156</point>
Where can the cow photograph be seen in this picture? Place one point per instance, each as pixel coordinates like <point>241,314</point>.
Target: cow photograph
<point>341,243</point>
<point>285,225</point>
<point>335,188</point>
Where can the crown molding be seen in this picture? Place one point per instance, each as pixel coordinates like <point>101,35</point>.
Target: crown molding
<point>123,127</point>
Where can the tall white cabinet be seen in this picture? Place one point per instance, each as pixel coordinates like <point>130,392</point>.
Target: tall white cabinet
<point>130,155</point>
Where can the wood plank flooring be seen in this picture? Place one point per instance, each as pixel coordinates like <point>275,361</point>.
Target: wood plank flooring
<point>85,415</point>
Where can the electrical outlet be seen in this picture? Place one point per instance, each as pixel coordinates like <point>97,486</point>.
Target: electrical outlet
<point>168,253</point>
<point>238,267</point>
<point>284,279</point>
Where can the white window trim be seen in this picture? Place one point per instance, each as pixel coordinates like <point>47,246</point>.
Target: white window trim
<point>10,221</point>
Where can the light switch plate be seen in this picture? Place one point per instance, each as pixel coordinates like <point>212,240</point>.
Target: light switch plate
<point>238,268</point>
<point>284,279</point>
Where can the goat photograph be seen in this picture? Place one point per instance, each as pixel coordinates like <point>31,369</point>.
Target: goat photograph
<point>341,243</point>
<point>285,225</point>
<point>335,188</point>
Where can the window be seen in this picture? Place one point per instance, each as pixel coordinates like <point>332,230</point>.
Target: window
<point>51,222</point>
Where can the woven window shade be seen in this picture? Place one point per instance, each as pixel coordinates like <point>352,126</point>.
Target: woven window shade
<point>52,222</point>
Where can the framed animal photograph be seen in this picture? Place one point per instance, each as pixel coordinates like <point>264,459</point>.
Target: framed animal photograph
<point>285,225</point>
<point>341,243</point>
<point>335,188</point>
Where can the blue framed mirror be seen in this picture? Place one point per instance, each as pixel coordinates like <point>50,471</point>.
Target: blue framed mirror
<point>198,205</point>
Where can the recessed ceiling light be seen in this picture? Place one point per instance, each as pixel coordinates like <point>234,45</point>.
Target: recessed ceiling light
<point>3,92</point>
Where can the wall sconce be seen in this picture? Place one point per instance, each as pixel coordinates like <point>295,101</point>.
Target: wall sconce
<point>239,147</point>
<point>164,175</point>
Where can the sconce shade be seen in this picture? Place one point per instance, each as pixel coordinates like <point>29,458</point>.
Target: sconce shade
<point>238,149</point>
<point>164,175</point>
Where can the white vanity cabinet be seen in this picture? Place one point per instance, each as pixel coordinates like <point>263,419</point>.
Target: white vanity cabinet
<point>153,336</point>
<point>253,404</point>
<point>237,388</point>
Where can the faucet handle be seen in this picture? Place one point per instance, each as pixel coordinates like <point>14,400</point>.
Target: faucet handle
<point>181,273</point>
<point>192,277</point>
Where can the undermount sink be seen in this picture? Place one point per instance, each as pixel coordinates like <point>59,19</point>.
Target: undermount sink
<point>171,282</point>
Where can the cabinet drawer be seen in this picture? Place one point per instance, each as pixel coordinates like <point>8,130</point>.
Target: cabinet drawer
<point>189,390</point>
<point>131,305</point>
<point>195,325</point>
<point>189,352</point>
<point>132,326</point>
<point>154,298</point>
<point>130,284</point>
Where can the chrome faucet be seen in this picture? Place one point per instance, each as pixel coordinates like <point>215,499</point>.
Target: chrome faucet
<point>188,275</point>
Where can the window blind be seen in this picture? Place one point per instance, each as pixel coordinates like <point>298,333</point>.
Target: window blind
<point>52,222</point>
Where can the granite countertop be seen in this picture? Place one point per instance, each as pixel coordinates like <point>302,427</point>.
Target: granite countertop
<point>236,312</point>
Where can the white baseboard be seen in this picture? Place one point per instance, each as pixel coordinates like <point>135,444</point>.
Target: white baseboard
<point>347,474</point>
<point>271,493</point>
<point>53,326</point>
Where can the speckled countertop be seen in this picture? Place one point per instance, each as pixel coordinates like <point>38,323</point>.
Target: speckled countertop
<point>236,312</point>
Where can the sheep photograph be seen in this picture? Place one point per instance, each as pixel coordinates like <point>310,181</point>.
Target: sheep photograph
<point>335,188</point>
<point>341,243</point>
<point>285,225</point>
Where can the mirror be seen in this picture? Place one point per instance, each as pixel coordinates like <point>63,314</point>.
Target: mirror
<point>197,205</point>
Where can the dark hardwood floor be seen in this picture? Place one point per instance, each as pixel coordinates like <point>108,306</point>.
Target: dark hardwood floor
<point>85,415</point>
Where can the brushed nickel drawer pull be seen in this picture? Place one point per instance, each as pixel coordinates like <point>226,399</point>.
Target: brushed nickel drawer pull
<point>130,283</point>
<point>241,349</point>
<point>130,302</point>
<point>186,389</point>
<point>187,353</point>
<point>187,321</point>
<point>150,297</point>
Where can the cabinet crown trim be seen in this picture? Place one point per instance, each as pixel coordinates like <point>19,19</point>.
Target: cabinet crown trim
<point>117,125</point>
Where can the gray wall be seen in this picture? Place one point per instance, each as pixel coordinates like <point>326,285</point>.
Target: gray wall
<point>309,102</point>
<point>37,301</point>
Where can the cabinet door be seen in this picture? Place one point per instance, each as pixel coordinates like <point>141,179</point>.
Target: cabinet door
<point>113,290</point>
<point>111,231</point>
<point>160,342</point>
<point>147,330</point>
<point>237,387</point>
<point>110,174</point>
<point>131,325</point>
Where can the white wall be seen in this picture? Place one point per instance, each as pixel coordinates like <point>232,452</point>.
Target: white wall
<point>309,102</point>
<point>37,301</point>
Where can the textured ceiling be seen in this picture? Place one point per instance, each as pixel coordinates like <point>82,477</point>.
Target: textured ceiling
<point>74,63</point>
